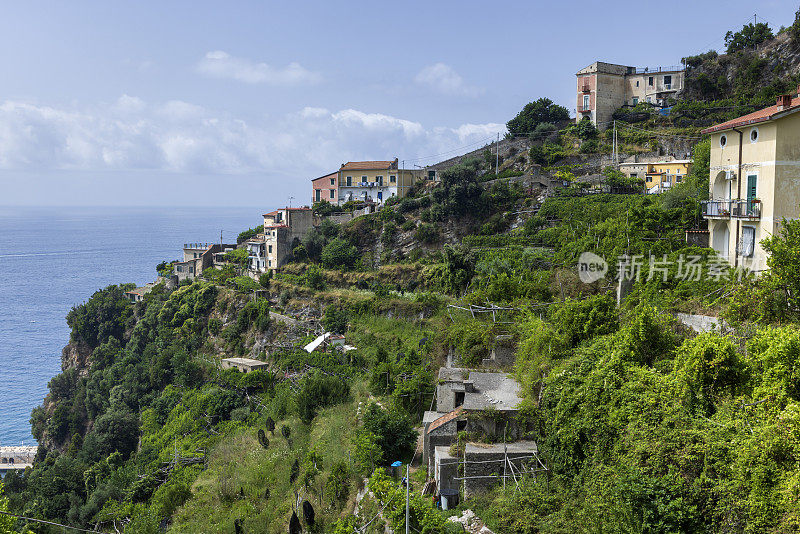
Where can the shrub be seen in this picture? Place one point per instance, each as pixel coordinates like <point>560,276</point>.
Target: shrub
<point>427,234</point>
<point>339,254</point>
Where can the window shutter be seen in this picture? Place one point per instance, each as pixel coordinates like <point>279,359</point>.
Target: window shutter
<point>748,241</point>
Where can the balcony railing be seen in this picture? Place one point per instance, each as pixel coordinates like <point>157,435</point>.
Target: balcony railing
<point>727,209</point>
<point>582,109</point>
<point>586,89</point>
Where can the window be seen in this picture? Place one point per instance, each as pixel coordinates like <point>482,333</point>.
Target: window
<point>650,81</point>
<point>586,101</point>
<point>363,179</point>
<point>392,179</point>
<point>668,80</point>
<point>635,99</point>
<point>349,181</point>
<point>270,249</point>
<point>748,241</point>
<point>379,179</point>
<point>723,140</point>
<point>637,83</point>
<point>317,194</point>
<point>459,400</point>
<point>754,135</point>
<point>332,181</point>
<point>332,193</point>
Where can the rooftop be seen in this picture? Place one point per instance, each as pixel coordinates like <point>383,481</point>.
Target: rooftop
<point>762,115</point>
<point>493,391</point>
<point>331,175</point>
<point>516,447</point>
<point>368,165</point>
<point>453,373</point>
<point>244,361</point>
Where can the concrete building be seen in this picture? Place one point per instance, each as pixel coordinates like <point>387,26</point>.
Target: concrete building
<point>603,88</point>
<point>754,180</point>
<point>660,174</point>
<point>137,295</point>
<point>283,228</point>
<point>16,458</point>
<point>325,188</point>
<point>196,258</point>
<point>463,397</point>
<point>489,464</point>
<point>373,181</point>
<point>245,365</point>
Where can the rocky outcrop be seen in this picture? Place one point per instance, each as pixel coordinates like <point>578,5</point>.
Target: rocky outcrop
<point>76,355</point>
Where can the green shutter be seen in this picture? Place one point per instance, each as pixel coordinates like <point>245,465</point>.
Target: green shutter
<point>752,180</point>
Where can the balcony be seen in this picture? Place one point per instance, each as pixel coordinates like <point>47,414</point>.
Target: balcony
<point>731,209</point>
<point>582,109</point>
<point>586,89</point>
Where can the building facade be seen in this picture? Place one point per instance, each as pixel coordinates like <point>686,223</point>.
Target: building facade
<point>325,188</point>
<point>658,175</point>
<point>603,88</point>
<point>282,229</point>
<point>754,181</point>
<point>373,181</point>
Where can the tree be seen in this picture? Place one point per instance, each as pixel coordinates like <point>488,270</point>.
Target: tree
<point>339,254</point>
<point>393,432</point>
<point>335,319</point>
<point>750,36</point>
<point>535,113</point>
<point>784,262</point>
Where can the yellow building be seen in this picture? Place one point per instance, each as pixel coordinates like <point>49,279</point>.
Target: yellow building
<point>663,175</point>
<point>754,180</point>
<point>658,176</point>
<point>373,181</point>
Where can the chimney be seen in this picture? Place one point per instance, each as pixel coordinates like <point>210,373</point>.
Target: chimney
<point>784,102</point>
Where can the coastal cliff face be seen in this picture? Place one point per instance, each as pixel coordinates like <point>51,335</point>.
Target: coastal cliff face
<point>76,355</point>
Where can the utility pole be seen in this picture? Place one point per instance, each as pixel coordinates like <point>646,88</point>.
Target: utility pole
<point>497,156</point>
<point>407,485</point>
<point>220,238</point>
<point>616,147</point>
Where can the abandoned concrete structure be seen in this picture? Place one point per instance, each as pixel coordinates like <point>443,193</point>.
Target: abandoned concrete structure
<point>474,401</point>
<point>245,365</point>
<point>486,465</point>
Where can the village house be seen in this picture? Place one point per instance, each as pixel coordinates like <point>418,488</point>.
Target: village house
<point>660,174</point>
<point>463,397</point>
<point>137,294</point>
<point>326,188</point>
<point>603,88</point>
<point>16,458</point>
<point>373,181</point>
<point>198,257</point>
<point>754,180</point>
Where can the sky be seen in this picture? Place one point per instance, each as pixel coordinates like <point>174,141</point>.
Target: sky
<point>193,103</point>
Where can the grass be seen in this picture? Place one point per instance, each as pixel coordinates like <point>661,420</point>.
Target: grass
<point>238,465</point>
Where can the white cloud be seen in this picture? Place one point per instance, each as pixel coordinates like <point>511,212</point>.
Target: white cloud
<point>177,136</point>
<point>444,79</point>
<point>219,64</point>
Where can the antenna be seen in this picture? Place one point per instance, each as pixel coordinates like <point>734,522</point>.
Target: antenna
<point>290,201</point>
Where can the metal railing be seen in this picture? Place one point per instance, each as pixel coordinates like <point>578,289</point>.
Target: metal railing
<point>727,209</point>
<point>650,70</point>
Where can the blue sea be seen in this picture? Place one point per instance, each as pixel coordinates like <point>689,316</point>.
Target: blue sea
<point>54,258</point>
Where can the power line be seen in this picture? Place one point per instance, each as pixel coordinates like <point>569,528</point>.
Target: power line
<point>51,523</point>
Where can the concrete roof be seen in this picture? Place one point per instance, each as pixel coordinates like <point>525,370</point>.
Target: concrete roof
<point>514,447</point>
<point>244,361</point>
<point>429,417</point>
<point>442,452</point>
<point>450,374</point>
<point>494,390</point>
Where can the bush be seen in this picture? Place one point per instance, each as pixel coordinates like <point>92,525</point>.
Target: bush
<point>427,234</point>
<point>318,391</point>
<point>339,254</point>
<point>335,319</point>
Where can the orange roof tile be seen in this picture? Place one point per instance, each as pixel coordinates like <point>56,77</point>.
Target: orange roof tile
<point>761,115</point>
<point>446,418</point>
<point>367,165</point>
<point>331,175</point>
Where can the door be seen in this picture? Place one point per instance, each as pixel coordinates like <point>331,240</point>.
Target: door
<point>752,187</point>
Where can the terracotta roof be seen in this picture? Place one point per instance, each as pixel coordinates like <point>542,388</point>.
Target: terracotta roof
<point>270,213</point>
<point>761,115</point>
<point>446,418</point>
<point>367,165</point>
<point>331,175</point>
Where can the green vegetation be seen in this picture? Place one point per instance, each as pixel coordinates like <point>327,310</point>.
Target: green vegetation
<point>537,117</point>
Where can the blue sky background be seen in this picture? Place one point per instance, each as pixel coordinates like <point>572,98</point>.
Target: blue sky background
<point>231,103</point>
